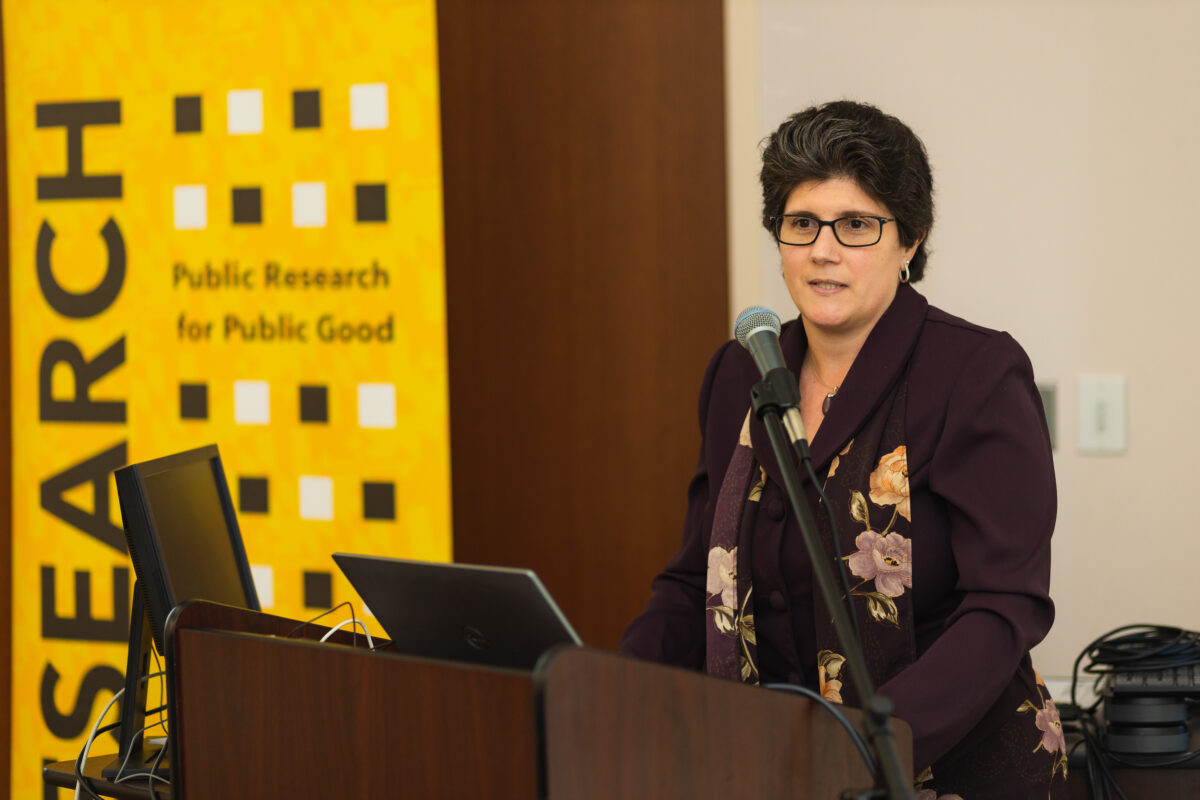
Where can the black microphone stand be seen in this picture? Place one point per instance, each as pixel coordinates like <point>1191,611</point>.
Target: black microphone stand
<point>774,394</point>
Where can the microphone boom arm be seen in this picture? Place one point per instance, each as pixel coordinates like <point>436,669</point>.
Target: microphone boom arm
<point>775,400</point>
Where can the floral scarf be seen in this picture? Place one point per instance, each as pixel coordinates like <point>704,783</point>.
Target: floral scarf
<point>868,493</point>
<point>730,642</point>
<point>867,485</point>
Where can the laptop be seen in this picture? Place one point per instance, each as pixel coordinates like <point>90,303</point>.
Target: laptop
<point>493,616</point>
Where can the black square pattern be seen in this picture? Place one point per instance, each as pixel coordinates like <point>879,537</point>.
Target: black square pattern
<point>370,202</point>
<point>306,108</point>
<point>187,114</point>
<point>379,500</point>
<point>314,404</point>
<point>247,206</point>
<point>193,401</point>
<point>318,590</point>
<point>252,495</point>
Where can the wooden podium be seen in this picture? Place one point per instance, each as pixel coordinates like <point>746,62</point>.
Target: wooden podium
<point>256,713</point>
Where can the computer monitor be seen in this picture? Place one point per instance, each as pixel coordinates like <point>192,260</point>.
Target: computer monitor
<point>183,534</point>
<point>185,545</point>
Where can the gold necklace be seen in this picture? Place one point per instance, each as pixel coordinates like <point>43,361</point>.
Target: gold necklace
<point>829,395</point>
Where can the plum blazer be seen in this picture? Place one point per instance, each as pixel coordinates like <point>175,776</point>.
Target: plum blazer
<point>983,503</point>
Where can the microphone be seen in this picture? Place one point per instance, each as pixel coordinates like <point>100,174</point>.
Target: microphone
<point>757,330</point>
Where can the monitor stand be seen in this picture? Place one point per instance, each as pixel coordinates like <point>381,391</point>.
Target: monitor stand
<point>134,755</point>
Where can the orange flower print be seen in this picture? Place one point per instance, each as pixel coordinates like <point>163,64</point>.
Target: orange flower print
<point>829,667</point>
<point>831,688</point>
<point>757,489</point>
<point>837,460</point>
<point>889,482</point>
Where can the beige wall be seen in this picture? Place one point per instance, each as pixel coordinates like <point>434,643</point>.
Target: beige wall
<point>1063,137</point>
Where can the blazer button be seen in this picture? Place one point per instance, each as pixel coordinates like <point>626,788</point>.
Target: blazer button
<point>775,509</point>
<point>778,601</point>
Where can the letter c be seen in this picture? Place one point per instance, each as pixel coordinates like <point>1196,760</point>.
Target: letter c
<point>87,304</point>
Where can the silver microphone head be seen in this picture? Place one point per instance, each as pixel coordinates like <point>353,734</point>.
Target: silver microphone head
<point>757,329</point>
<point>752,320</point>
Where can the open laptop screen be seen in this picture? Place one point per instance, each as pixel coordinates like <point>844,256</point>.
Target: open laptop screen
<point>495,616</point>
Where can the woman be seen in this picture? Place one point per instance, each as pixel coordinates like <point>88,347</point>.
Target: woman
<point>929,437</point>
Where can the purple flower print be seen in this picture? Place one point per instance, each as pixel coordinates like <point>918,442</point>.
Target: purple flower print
<point>1049,724</point>
<point>885,559</point>
<point>722,575</point>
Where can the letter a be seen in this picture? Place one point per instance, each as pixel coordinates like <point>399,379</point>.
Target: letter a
<point>95,470</point>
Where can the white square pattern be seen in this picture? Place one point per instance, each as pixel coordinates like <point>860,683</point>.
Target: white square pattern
<point>251,402</point>
<point>264,584</point>
<point>368,106</point>
<point>308,205</point>
<point>376,405</point>
<point>316,497</point>
<point>191,208</point>
<point>244,111</point>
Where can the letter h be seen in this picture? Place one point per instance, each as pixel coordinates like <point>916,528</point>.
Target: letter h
<point>74,116</point>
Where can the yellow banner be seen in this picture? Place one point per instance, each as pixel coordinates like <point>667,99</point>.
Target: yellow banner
<point>226,227</point>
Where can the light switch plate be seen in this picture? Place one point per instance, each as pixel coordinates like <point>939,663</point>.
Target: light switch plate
<point>1101,416</point>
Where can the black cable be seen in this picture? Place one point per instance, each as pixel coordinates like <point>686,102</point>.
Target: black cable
<point>153,767</point>
<point>83,781</point>
<point>80,778</point>
<point>833,535</point>
<point>837,713</point>
<point>1098,790</point>
<point>310,621</point>
<point>150,775</point>
<point>1133,648</point>
<point>140,739</point>
<point>1099,773</point>
<point>1129,648</point>
<point>1143,647</point>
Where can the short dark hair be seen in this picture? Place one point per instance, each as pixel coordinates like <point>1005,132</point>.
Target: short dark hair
<point>845,139</point>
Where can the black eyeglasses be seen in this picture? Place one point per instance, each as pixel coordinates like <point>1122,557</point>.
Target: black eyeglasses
<point>801,229</point>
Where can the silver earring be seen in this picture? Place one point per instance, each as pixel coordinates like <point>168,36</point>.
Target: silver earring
<point>904,273</point>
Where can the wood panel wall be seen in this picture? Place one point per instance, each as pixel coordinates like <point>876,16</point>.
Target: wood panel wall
<point>584,179</point>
